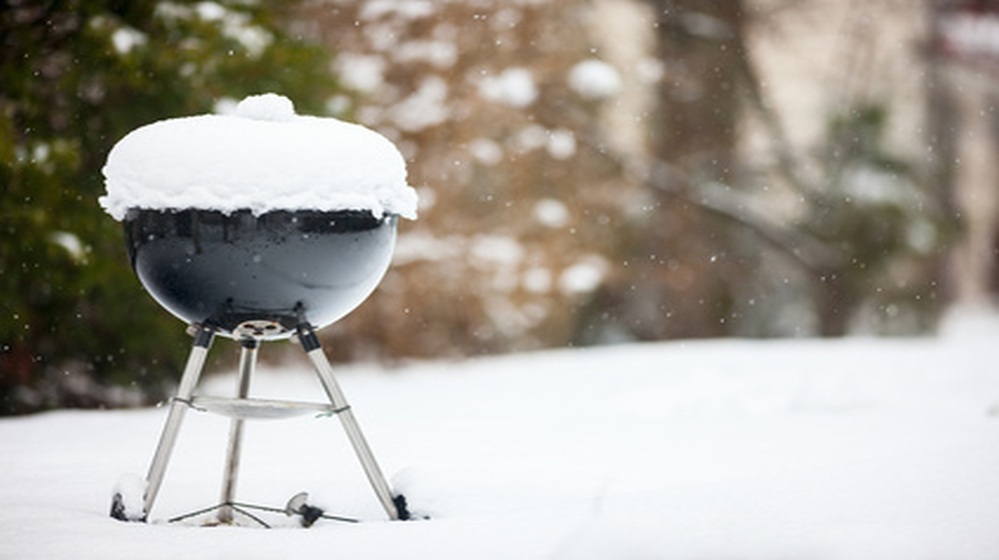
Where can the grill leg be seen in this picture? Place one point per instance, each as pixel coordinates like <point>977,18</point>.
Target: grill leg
<point>310,343</point>
<point>247,363</point>
<point>188,381</point>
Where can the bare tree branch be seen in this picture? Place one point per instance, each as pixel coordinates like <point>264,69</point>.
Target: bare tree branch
<point>811,253</point>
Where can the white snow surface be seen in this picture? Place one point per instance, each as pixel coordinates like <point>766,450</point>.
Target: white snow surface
<point>262,157</point>
<point>841,449</point>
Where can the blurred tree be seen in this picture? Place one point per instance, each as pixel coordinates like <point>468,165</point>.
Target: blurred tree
<point>495,104</point>
<point>862,234</point>
<point>870,212</point>
<point>539,228</point>
<point>75,76</point>
<point>686,260</point>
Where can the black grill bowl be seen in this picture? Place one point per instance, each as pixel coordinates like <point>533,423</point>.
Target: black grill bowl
<point>259,275</point>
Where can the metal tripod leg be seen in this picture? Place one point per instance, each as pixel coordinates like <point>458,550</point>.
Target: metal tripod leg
<point>310,343</point>
<point>188,381</point>
<point>247,363</point>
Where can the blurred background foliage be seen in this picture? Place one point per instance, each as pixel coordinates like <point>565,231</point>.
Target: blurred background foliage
<point>575,188</point>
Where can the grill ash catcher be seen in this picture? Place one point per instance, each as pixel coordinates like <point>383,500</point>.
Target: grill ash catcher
<point>257,226</point>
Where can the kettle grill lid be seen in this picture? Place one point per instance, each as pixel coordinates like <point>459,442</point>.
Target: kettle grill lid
<point>262,157</point>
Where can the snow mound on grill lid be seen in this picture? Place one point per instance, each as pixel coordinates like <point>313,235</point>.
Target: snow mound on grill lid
<point>262,157</point>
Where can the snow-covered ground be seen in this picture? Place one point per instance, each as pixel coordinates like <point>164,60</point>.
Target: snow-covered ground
<point>855,448</point>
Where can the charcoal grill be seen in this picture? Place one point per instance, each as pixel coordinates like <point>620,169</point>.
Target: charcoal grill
<point>252,277</point>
